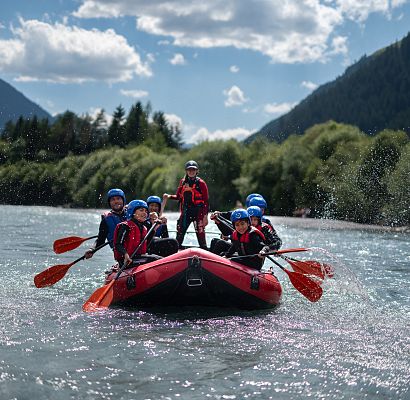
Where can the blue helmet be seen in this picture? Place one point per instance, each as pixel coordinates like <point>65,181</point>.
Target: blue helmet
<point>134,204</point>
<point>238,214</point>
<point>251,196</point>
<point>115,192</point>
<point>255,211</point>
<point>154,199</point>
<point>258,201</point>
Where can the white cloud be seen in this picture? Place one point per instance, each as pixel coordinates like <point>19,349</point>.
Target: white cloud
<point>64,54</point>
<point>93,112</point>
<point>203,134</point>
<point>178,59</point>
<point>234,69</point>
<point>286,32</point>
<point>359,10</point>
<point>174,120</point>
<point>278,108</point>
<point>309,85</point>
<point>235,97</point>
<point>136,94</point>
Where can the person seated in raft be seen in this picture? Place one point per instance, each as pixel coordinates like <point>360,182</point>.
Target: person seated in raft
<point>250,197</point>
<point>271,237</point>
<point>222,244</point>
<point>192,195</point>
<point>109,220</point>
<point>129,234</point>
<point>161,244</point>
<point>260,202</point>
<point>246,240</point>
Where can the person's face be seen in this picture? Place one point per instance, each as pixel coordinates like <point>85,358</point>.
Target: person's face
<point>241,226</point>
<point>116,203</point>
<point>254,221</point>
<point>153,207</point>
<point>140,214</point>
<point>191,172</point>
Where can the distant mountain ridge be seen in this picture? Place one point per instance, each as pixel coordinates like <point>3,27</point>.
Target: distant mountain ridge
<point>372,94</point>
<point>13,104</point>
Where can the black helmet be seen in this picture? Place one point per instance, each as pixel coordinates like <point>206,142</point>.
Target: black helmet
<point>191,164</point>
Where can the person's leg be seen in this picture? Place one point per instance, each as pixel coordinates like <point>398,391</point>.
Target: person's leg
<point>200,233</point>
<point>219,246</point>
<point>164,247</point>
<point>182,226</point>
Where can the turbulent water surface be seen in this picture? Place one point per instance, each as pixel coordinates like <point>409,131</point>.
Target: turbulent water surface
<point>352,344</point>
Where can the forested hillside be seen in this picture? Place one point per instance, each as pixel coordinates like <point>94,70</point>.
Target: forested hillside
<point>13,104</point>
<point>335,170</point>
<point>372,94</point>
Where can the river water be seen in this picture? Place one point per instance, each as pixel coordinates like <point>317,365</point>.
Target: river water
<point>352,344</point>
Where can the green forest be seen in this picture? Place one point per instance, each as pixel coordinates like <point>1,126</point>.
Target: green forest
<point>334,169</point>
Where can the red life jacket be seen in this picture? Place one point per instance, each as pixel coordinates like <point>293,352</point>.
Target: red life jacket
<point>132,240</point>
<point>195,189</point>
<point>245,237</point>
<point>264,227</point>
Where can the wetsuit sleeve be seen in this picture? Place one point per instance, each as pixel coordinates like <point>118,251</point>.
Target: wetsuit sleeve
<point>121,236</point>
<point>102,234</point>
<point>164,232</point>
<point>272,239</point>
<point>276,241</point>
<point>205,195</point>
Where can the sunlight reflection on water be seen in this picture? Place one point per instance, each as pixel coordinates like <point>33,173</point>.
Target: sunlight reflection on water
<point>352,344</point>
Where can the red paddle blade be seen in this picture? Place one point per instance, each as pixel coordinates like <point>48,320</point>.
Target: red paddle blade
<point>101,298</point>
<point>51,275</point>
<point>68,243</point>
<point>307,268</point>
<point>312,268</point>
<point>306,286</point>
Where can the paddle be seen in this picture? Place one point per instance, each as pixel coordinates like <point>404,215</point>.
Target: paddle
<point>304,285</point>
<point>272,253</point>
<point>69,243</point>
<point>102,297</point>
<point>304,267</point>
<point>310,267</point>
<point>55,273</point>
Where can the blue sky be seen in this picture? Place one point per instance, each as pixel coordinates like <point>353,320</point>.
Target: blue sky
<point>220,69</point>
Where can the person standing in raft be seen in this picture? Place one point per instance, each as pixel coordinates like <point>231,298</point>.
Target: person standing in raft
<point>247,240</point>
<point>109,220</point>
<point>192,194</point>
<point>129,234</point>
<point>271,237</point>
<point>161,243</point>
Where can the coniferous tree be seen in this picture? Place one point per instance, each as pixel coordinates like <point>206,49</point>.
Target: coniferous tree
<point>116,131</point>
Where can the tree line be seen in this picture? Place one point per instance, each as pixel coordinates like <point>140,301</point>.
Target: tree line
<point>39,140</point>
<point>334,169</point>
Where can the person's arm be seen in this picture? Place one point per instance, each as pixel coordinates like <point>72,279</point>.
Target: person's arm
<point>274,241</point>
<point>176,196</point>
<point>102,236</point>
<point>119,243</point>
<point>164,231</point>
<point>205,196</point>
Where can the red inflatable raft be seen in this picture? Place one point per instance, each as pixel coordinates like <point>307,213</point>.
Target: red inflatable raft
<point>195,277</point>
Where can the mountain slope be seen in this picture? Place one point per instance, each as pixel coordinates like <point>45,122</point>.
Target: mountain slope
<point>372,94</point>
<point>13,104</point>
